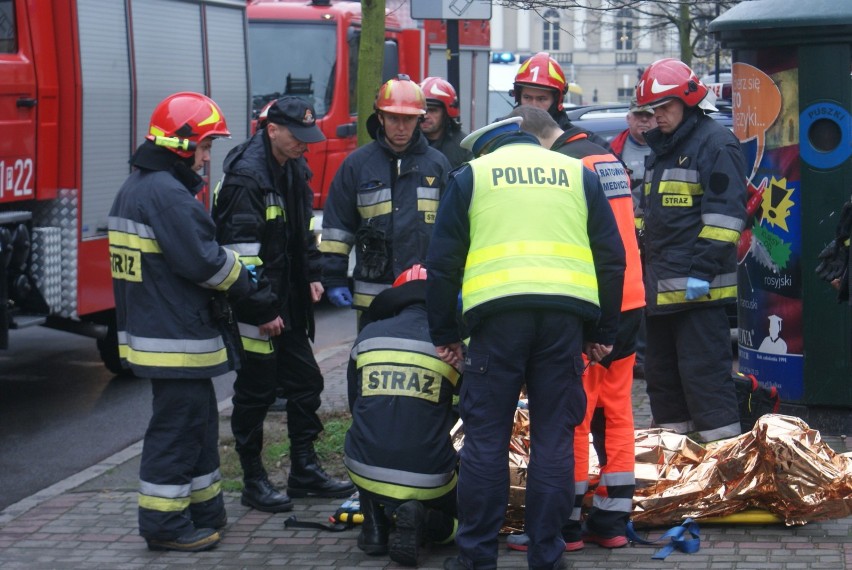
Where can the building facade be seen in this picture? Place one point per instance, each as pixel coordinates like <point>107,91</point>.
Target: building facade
<point>604,51</point>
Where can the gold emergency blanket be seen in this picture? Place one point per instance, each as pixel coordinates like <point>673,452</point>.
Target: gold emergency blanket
<point>781,466</point>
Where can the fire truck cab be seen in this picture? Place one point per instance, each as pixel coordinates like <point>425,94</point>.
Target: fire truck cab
<point>78,82</point>
<point>309,49</point>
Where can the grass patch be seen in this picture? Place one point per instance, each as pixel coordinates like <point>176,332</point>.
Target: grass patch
<point>276,449</point>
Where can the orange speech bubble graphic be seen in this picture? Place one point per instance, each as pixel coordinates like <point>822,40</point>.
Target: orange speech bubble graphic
<point>757,103</point>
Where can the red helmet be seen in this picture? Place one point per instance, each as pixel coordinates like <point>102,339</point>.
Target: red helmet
<point>413,273</point>
<point>438,90</point>
<point>183,120</point>
<point>401,96</point>
<point>668,79</point>
<point>544,72</point>
<point>263,116</point>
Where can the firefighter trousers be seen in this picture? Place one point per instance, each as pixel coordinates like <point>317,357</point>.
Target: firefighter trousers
<point>541,348</point>
<point>688,371</point>
<point>293,368</point>
<point>179,481</point>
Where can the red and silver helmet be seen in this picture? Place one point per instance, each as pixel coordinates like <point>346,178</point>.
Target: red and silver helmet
<point>413,273</point>
<point>183,120</point>
<point>441,91</point>
<point>541,71</point>
<point>263,115</point>
<point>401,96</point>
<point>668,79</point>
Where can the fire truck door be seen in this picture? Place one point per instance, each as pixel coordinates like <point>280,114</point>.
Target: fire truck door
<point>17,104</point>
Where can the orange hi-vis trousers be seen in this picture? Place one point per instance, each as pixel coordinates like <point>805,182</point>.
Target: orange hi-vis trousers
<point>609,417</point>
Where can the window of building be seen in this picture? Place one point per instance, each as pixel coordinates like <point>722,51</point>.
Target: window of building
<point>8,31</point>
<point>625,94</point>
<point>550,32</point>
<point>624,30</point>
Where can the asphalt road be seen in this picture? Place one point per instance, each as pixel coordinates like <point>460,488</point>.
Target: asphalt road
<point>61,411</point>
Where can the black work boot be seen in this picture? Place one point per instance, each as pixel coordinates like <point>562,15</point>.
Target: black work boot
<point>196,540</point>
<point>308,479</point>
<point>373,538</point>
<point>259,493</point>
<point>407,533</point>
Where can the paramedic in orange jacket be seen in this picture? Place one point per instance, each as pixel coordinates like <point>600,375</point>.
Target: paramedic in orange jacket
<point>608,385</point>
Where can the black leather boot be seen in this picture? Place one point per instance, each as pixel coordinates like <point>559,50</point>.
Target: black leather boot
<point>407,535</point>
<point>259,493</point>
<point>308,479</point>
<point>373,538</point>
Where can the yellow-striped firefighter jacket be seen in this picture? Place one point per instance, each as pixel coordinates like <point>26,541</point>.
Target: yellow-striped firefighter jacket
<point>263,211</point>
<point>399,444</point>
<point>392,197</point>
<point>694,199</point>
<point>166,269</point>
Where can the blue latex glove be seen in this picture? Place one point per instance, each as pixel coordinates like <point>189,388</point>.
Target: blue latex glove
<point>340,296</point>
<point>696,288</point>
<point>252,273</point>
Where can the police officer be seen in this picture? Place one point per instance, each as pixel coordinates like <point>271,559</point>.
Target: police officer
<point>382,200</point>
<point>528,236</point>
<point>398,450</point>
<point>166,268</point>
<point>609,385</point>
<point>441,124</point>
<point>263,211</point>
<point>540,82</point>
<point>694,203</point>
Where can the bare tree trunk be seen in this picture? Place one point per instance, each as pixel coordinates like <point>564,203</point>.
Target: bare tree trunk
<point>370,62</point>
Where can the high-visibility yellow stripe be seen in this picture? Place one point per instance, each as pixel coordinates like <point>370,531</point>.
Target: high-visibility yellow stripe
<point>257,346</point>
<point>173,359</point>
<point>132,241</point>
<point>273,212</point>
<point>680,187</point>
<point>719,234</point>
<point>402,492</point>
<point>380,209</point>
<point>432,363</point>
<point>327,246</point>
<point>162,504</point>
<point>427,205</point>
<point>251,260</point>
<point>361,300</point>
<point>527,249</point>
<point>517,280</point>
<point>232,276</point>
<point>206,494</point>
<point>677,297</point>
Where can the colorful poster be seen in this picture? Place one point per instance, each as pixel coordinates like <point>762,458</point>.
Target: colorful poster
<point>766,121</point>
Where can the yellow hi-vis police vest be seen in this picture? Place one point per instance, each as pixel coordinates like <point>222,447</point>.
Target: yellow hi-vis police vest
<point>528,228</point>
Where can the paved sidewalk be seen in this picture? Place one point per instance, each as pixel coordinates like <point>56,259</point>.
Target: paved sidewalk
<point>89,521</point>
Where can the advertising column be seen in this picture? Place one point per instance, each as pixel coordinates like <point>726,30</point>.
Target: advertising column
<point>766,121</point>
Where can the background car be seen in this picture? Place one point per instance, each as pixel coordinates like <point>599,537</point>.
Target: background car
<point>609,120</point>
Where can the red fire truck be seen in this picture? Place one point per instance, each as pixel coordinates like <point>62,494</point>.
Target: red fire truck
<point>309,48</point>
<point>79,79</point>
<point>78,82</point>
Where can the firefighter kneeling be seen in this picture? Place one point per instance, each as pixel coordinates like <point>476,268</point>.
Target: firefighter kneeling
<point>398,451</point>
